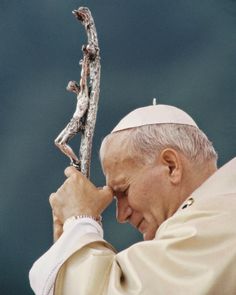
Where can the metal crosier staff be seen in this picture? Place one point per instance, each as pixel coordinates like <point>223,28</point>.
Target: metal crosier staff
<point>87,91</point>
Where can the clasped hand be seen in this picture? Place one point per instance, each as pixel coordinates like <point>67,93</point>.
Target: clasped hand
<point>77,196</point>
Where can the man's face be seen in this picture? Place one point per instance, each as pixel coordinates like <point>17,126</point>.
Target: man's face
<point>141,190</point>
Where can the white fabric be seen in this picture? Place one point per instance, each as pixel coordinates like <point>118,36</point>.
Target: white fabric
<point>87,225</point>
<point>193,252</point>
<point>155,114</point>
<point>49,264</point>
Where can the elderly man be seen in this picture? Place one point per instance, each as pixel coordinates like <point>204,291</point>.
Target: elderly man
<point>161,168</point>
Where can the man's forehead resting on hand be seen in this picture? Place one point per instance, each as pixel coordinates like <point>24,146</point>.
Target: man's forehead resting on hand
<point>153,159</point>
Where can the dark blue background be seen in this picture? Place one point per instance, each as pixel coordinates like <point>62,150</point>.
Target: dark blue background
<point>182,52</point>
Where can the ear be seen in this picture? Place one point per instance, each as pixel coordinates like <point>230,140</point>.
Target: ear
<point>173,162</point>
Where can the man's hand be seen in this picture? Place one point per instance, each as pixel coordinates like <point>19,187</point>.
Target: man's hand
<point>78,196</point>
<point>57,227</point>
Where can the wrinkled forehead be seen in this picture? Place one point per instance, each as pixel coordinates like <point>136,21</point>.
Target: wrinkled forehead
<point>114,164</point>
<point>116,159</point>
<point>118,170</point>
<point>114,145</point>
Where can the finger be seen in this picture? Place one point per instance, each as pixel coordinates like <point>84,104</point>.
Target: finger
<point>106,193</point>
<point>70,171</point>
<point>52,199</point>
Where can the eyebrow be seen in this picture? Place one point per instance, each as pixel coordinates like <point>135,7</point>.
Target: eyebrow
<point>120,188</point>
<point>118,185</point>
<point>116,188</point>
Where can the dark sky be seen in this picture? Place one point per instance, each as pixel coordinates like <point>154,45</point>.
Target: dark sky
<point>182,52</point>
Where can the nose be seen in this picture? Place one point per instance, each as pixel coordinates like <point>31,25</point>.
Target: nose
<point>123,211</point>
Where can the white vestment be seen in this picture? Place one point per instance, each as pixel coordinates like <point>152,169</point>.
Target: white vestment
<point>193,252</point>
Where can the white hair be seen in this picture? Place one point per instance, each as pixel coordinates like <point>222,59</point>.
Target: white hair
<point>149,140</point>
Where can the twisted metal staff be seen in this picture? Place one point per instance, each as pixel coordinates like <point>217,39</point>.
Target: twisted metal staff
<point>87,91</point>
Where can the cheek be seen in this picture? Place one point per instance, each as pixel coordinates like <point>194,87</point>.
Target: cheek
<point>141,194</point>
<point>147,190</point>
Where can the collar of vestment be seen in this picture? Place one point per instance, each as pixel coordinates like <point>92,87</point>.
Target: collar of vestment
<point>222,182</point>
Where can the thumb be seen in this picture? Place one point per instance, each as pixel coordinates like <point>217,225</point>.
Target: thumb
<point>70,171</point>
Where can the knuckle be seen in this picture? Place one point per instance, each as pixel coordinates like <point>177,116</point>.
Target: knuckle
<point>67,170</point>
<point>60,190</point>
<point>76,178</point>
<point>70,170</point>
<point>52,199</point>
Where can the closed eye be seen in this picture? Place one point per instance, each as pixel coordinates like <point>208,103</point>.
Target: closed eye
<point>120,193</point>
<point>125,192</point>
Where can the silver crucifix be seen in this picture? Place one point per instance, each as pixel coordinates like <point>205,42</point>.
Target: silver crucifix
<point>87,92</point>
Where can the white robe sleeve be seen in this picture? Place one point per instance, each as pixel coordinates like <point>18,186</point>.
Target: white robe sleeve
<point>76,234</point>
<point>193,253</point>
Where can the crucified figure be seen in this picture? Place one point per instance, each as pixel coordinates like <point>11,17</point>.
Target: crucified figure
<point>76,124</point>
<point>87,92</point>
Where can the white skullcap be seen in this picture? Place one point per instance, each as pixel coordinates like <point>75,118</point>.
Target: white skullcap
<point>154,114</point>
